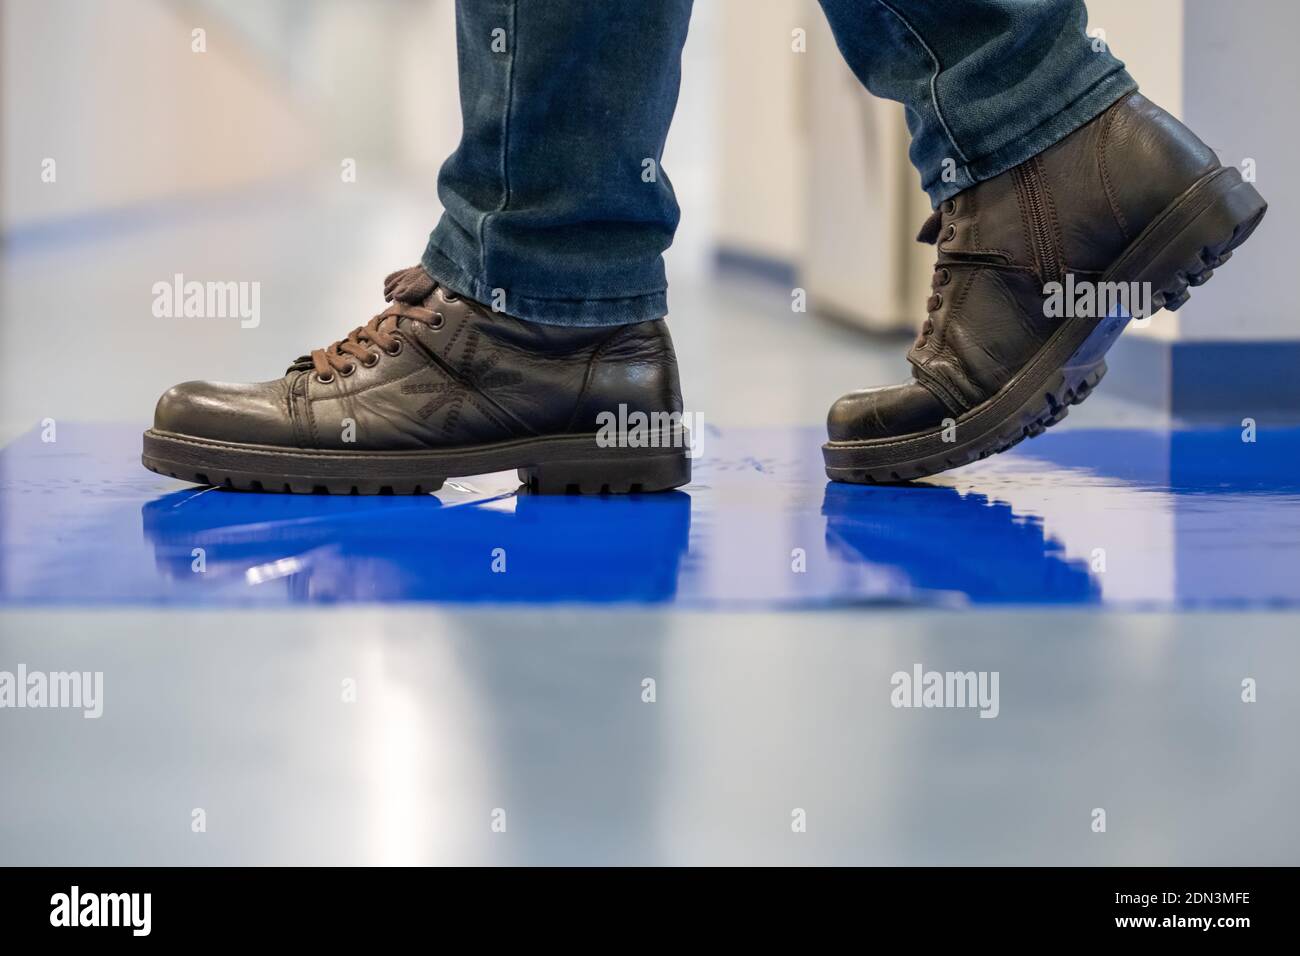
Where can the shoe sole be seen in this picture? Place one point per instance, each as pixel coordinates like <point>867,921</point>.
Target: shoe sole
<point>1181,248</point>
<point>560,464</point>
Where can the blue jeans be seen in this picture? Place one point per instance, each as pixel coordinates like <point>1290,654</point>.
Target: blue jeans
<point>555,207</point>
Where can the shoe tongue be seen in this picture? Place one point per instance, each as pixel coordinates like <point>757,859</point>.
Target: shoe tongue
<point>930,230</point>
<point>412,286</point>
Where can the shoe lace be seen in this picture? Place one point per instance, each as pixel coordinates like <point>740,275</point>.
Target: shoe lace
<point>404,288</point>
<point>930,232</point>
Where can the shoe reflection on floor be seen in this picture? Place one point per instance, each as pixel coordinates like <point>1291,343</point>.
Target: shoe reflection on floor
<point>515,547</point>
<point>1122,518</point>
<point>941,541</point>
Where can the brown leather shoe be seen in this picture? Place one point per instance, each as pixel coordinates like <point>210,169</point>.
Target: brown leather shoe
<point>437,386</point>
<point>1039,270</point>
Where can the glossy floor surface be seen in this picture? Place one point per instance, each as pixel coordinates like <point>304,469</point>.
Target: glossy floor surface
<point>1115,517</point>
<point>542,715</point>
<point>349,681</point>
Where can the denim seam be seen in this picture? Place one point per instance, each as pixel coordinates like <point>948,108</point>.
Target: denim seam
<point>625,297</point>
<point>991,164</point>
<point>630,297</point>
<point>934,92</point>
<point>512,51</point>
<point>1029,133</point>
<point>585,312</point>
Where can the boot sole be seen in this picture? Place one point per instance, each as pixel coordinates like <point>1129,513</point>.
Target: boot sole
<point>559,464</point>
<point>1181,248</point>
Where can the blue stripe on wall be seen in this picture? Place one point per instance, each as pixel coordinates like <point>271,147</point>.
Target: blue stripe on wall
<point>1209,381</point>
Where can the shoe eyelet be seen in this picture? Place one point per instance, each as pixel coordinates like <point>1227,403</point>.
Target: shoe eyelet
<point>944,277</point>
<point>951,233</point>
<point>949,207</point>
<point>938,302</point>
<point>437,321</point>
<point>395,348</point>
<point>447,296</point>
<point>348,369</point>
<point>324,380</point>
<point>372,361</point>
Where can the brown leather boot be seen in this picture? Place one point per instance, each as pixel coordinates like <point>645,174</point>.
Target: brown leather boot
<point>1039,270</point>
<point>433,387</point>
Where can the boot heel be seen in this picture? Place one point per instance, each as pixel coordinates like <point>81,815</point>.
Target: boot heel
<point>610,475</point>
<point>1194,237</point>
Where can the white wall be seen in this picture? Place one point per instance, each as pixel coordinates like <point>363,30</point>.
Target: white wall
<point>113,94</point>
<point>1241,81</point>
<point>1128,27</point>
<point>761,136</point>
<point>862,202</point>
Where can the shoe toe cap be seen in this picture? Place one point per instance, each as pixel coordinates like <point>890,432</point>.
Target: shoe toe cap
<point>254,414</point>
<point>888,412</point>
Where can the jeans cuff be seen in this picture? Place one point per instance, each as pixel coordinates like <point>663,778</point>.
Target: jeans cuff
<point>1081,111</point>
<point>588,313</point>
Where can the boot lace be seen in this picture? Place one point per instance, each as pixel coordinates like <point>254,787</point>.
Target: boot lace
<point>363,345</point>
<point>930,233</point>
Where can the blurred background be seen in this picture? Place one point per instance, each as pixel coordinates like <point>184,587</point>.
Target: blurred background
<point>140,139</point>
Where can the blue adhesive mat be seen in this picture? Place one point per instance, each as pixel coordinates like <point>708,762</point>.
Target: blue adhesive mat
<point>1114,518</point>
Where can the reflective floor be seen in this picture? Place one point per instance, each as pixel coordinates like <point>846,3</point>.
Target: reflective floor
<point>1123,578</point>
<point>1116,517</point>
<point>541,716</point>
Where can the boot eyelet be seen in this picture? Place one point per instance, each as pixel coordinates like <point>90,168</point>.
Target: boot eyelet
<point>437,321</point>
<point>944,277</point>
<point>348,369</point>
<point>949,207</point>
<point>951,233</point>
<point>372,361</point>
<point>938,302</point>
<point>324,380</point>
<point>395,348</point>
<point>447,296</point>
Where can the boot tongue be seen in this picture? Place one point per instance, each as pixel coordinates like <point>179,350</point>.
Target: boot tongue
<point>412,286</point>
<point>930,230</point>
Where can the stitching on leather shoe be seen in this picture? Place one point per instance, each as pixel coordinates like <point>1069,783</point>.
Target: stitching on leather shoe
<point>1052,215</point>
<point>954,374</point>
<point>600,350</point>
<point>1107,187</point>
<point>295,416</point>
<point>473,396</point>
<point>365,388</point>
<point>942,389</point>
<point>956,410</point>
<point>1031,331</point>
<point>959,298</point>
<point>311,416</point>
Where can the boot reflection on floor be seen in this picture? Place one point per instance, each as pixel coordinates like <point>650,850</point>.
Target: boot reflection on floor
<point>940,541</point>
<point>1124,518</point>
<point>517,547</point>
